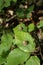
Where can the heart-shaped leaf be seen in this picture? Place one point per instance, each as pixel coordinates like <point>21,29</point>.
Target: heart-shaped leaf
<point>24,41</point>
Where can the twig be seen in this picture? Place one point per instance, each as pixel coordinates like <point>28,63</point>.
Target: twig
<point>7,21</point>
<point>10,18</point>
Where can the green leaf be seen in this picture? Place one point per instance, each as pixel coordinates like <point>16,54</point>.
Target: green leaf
<point>29,10</point>
<point>21,27</point>
<point>34,60</point>
<point>1,4</point>
<point>6,42</point>
<point>20,13</point>
<point>31,27</point>
<point>15,1</point>
<point>2,60</point>
<point>40,24</point>
<point>7,3</point>
<point>21,37</point>
<point>3,57</point>
<point>17,57</point>
<point>28,15</point>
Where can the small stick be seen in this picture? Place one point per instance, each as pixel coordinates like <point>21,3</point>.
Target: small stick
<point>7,21</point>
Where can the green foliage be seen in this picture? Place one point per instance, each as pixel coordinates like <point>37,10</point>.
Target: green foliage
<point>17,57</point>
<point>15,1</point>
<point>33,60</point>
<point>2,60</point>
<point>40,24</point>
<point>31,27</point>
<point>1,4</point>
<point>6,42</point>
<point>20,13</point>
<point>17,43</point>
<point>29,10</point>
<point>5,3</point>
<point>20,27</point>
<point>22,38</point>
